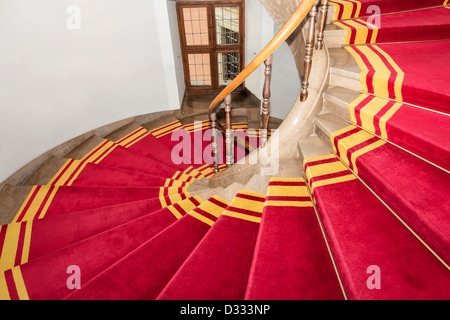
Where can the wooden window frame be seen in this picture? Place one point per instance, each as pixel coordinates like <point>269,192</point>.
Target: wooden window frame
<point>212,48</point>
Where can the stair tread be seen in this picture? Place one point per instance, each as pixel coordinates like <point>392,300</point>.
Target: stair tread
<point>223,256</point>
<point>343,64</point>
<point>291,260</point>
<point>415,190</point>
<point>84,148</point>
<point>362,233</point>
<point>158,254</point>
<point>55,233</point>
<point>329,123</point>
<point>341,95</point>
<point>11,199</point>
<point>312,147</point>
<point>123,131</point>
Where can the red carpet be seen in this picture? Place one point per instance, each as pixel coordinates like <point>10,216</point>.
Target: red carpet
<point>218,268</point>
<point>32,239</point>
<point>416,191</point>
<point>362,233</point>
<point>92,256</point>
<point>432,24</point>
<point>414,129</point>
<point>396,71</point>
<point>47,201</point>
<point>291,260</point>
<point>345,9</point>
<point>144,272</point>
<point>124,216</point>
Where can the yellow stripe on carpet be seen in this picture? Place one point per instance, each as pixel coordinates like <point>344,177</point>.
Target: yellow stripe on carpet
<point>11,244</point>
<point>353,140</point>
<point>185,207</point>
<point>319,170</point>
<point>20,284</point>
<point>292,195</point>
<point>4,292</point>
<point>370,110</point>
<point>166,129</point>
<point>42,199</point>
<point>244,204</point>
<point>211,208</point>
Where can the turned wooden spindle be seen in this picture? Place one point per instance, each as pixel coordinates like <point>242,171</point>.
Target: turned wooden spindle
<point>309,50</point>
<point>322,23</point>
<point>228,133</point>
<point>215,153</point>
<point>266,100</point>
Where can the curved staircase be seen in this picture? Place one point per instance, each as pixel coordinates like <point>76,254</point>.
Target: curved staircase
<point>369,218</point>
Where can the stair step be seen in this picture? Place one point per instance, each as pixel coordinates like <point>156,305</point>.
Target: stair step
<point>84,148</point>
<point>224,255</point>
<point>326,124</point>
<point>334,36</point>
<point>46,171</point>
<point>11,199</point>
<point>48,201</point>
<point>367,240</point>
<point>123,131</point>
<point>163,254</point>
<point>416,191</point>
<point>125,238</point>
<point>291,260</point>
<point>258,183</point>
<point>344,71</point>
<point>231,191</point>
<point>54,233</point>
<point>312,147</point>
<point>337,100</point>
<point>151,125</point>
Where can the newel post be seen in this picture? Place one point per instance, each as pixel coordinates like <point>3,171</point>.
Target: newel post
<point>309,50</point>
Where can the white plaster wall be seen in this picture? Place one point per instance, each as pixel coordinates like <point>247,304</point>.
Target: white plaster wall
<point>56,83</point>
<point>285,82</point>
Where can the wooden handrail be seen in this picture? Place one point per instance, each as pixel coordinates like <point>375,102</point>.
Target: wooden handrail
<point>288,28</point>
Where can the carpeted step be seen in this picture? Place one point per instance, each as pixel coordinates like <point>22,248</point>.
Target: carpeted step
<point>218,268</point>
<point>366,238</point>
<point>144,272</point>
<point>424,25</point>
<point>79,173</point>
<point>392,71</point>
<point>46,277</point>
<point>145,143</point>
<point>45,201</point>
<point>417,130</point>
<point>291,260</point>
<point>113,155</point>
<point>26,241</point>
<point>416,191</point>
<point>346,9</point>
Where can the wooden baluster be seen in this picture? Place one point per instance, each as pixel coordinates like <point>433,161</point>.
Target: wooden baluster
<point>229,141</point>
<point>215,153</point>
<point>266,101</point>
<point>322,23</point>
<point>309,51</point>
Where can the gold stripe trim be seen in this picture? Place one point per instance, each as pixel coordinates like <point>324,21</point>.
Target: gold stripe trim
<point>20,284</point>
